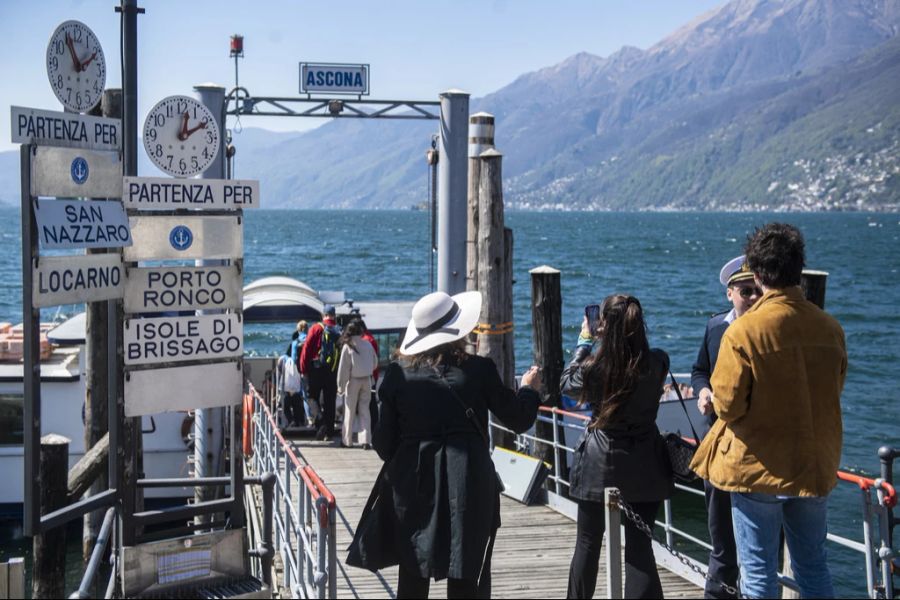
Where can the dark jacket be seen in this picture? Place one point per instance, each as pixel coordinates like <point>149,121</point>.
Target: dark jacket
<point>706,357</point>
<point>440,500</point>
<point>627,453</point>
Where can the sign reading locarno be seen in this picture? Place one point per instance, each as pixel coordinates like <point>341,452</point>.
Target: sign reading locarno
<point>334,78</point>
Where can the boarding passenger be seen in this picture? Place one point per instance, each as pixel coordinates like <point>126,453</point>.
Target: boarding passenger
<point>622,383</point>
<point>373,405</point>
<point>354,383</point>
<point>435,507</point>
<point>742,292</point>
<point>288,387</point>
<point>777,443</point>
<point>318,362</point>
<point>297,341</point>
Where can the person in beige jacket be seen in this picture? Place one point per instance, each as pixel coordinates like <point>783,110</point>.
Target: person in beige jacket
<point>777,444</point>
<point>354,382</point>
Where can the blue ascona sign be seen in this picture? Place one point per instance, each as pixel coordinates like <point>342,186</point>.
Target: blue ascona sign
<point>166,193</point>
<point>77,279</point>
<point>154,391</point>
<point>161,340</point>
<point>334,78</point>
<point>69,224</point>
<point>52,128</point>
<point>76,173</point>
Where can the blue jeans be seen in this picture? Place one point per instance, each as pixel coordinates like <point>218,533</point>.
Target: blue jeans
<point>758,520</point>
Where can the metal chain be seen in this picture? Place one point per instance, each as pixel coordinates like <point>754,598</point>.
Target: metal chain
<point>639,523</point>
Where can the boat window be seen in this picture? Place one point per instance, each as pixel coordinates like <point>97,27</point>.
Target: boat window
<point>387,345</point>
<point>11,420</point>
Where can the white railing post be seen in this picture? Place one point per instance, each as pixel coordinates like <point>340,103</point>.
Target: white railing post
<point>613,544</point>
<point>556,454</point>
<point>670,538</point>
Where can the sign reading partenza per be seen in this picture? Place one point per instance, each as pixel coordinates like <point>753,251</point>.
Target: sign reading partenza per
<point>157,289</point>
<point>165,193</point>
<point>67,224</point>
<point>160,390</point>
<point>177,339</point>
<point>76,173</point>
<point>76,279</point>
<point>52,128</point>
<point>187,237</point>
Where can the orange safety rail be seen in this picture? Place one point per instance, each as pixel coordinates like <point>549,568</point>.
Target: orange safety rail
<point>864,483</point>
<point>310,478</point>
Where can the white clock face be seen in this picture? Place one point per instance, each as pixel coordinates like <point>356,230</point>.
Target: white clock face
<point>181,136</point>
<point>76,66</point>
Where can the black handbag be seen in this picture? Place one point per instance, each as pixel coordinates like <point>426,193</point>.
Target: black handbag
<point>681,451</point>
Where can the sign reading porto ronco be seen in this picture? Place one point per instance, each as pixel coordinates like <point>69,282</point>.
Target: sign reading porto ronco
<point>334,78</point>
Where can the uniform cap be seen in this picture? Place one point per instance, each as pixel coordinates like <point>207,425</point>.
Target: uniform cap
<point>735,270</point>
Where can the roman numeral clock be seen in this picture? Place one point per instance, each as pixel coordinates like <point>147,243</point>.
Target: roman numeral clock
<point>181,136</point>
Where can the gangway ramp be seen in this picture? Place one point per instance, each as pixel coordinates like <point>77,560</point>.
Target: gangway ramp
<point>531,555</point>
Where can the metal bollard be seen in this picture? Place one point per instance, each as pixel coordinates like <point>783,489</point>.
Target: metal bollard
<point>613,544</point>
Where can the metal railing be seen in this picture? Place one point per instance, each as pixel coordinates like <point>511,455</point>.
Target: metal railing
<point>877,495</point>
<point>93,566</point>
<point>304,509</point>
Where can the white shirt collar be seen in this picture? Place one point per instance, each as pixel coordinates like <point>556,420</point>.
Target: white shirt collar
<point>731,316</point>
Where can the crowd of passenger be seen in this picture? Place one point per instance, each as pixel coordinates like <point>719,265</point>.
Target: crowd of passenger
<point>768,378</point>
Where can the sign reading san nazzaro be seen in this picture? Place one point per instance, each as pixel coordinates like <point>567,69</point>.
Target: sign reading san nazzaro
<point>334,78</point>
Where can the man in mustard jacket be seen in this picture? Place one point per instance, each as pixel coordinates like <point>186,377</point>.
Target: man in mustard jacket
<point>777,443</point>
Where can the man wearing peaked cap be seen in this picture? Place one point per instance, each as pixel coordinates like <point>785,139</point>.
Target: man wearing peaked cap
<point>741,291</point>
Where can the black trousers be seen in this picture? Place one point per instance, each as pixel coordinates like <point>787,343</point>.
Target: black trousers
<point>641,576</point>
<point>293,409</point>
<point>411,585</point>
<point>723,564</point>
<point>323,380</point>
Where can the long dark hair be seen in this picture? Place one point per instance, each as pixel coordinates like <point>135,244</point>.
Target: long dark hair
<point>353,328</point>
<point>610,375</point>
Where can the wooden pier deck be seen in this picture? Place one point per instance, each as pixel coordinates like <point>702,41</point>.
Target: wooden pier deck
<point>531,555</point>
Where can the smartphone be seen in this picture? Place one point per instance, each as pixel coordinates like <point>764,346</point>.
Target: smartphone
<point>592,312</point>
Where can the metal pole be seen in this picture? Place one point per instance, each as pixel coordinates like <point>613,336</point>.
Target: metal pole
<point>31,319</point>
<point>452,183</point>
<point>613,544</point>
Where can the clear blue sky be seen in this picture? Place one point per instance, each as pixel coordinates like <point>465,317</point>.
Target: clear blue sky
<point>416,49</point>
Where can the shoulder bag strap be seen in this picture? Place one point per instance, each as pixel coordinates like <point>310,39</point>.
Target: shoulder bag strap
<point>680,399</point>
<point>470,413</point>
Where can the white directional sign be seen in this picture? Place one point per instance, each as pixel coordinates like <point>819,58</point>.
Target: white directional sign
<point>66,224</point>
<point>177,339</point>
<point>52,128</point>
<point>334,78</point>
<point>75,279</point>
<point>165,193</point>
<point>158,289</point>
<point>182,388</point>
<point>185,237</point>
<point>76,173</point>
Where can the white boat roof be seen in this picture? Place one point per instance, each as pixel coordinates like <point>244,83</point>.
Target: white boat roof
<point>71,332</point>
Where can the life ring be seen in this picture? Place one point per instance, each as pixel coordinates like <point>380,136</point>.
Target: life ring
<point>247,426</point>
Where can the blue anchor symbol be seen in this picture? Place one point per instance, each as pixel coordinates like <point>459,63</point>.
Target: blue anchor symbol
<point>79,170</point>
<point>181,237</point>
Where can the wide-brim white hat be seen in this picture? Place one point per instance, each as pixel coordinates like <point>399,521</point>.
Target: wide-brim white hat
<point>439,318</point>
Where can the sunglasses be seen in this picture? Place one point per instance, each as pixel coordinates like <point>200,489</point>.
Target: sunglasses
<point>747,292</point>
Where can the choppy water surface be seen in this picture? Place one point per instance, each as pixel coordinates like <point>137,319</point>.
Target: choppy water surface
<point>670,261</point>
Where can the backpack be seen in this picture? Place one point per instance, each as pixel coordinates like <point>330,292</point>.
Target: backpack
<point>328,351</point>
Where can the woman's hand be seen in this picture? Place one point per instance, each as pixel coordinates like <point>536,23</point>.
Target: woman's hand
<point>532,378</point>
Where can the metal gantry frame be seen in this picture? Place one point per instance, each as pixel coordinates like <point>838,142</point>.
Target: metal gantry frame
<point>239,103</point>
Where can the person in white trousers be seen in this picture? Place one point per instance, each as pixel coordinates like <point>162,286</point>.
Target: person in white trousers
<point>354,382</point>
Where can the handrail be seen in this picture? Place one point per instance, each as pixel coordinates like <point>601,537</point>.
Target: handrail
<point>305,510</point>
<point>876,545</point>
<point>864,483</point>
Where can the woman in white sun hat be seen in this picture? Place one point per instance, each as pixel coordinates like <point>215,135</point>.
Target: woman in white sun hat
<point>435,507</point>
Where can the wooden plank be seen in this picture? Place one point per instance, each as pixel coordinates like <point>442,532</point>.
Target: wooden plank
<point>532,553</point>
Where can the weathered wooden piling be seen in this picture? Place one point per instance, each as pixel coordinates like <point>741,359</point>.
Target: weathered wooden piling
<point>546,318</point>
<point>813,284</point>
<point>48,573</point>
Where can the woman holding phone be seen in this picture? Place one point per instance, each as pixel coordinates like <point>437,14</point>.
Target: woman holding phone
<point>621,382</point>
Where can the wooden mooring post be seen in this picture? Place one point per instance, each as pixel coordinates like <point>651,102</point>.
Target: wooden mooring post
<point>546,319</point>
<point>813,284</point>
<point>49,572</point>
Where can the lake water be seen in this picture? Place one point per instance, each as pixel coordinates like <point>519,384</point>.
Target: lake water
<point>670,261</point>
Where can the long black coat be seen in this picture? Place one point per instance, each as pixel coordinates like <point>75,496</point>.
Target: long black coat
<point>439,502</point>
<point>628,452</point>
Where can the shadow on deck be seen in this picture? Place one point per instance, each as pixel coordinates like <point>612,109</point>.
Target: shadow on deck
<point>531,555</point>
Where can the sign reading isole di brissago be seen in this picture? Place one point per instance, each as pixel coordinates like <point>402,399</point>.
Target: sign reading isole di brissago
<point>177,339</point>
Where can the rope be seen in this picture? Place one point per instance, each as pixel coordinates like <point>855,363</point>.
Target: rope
<point>492,329</point>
